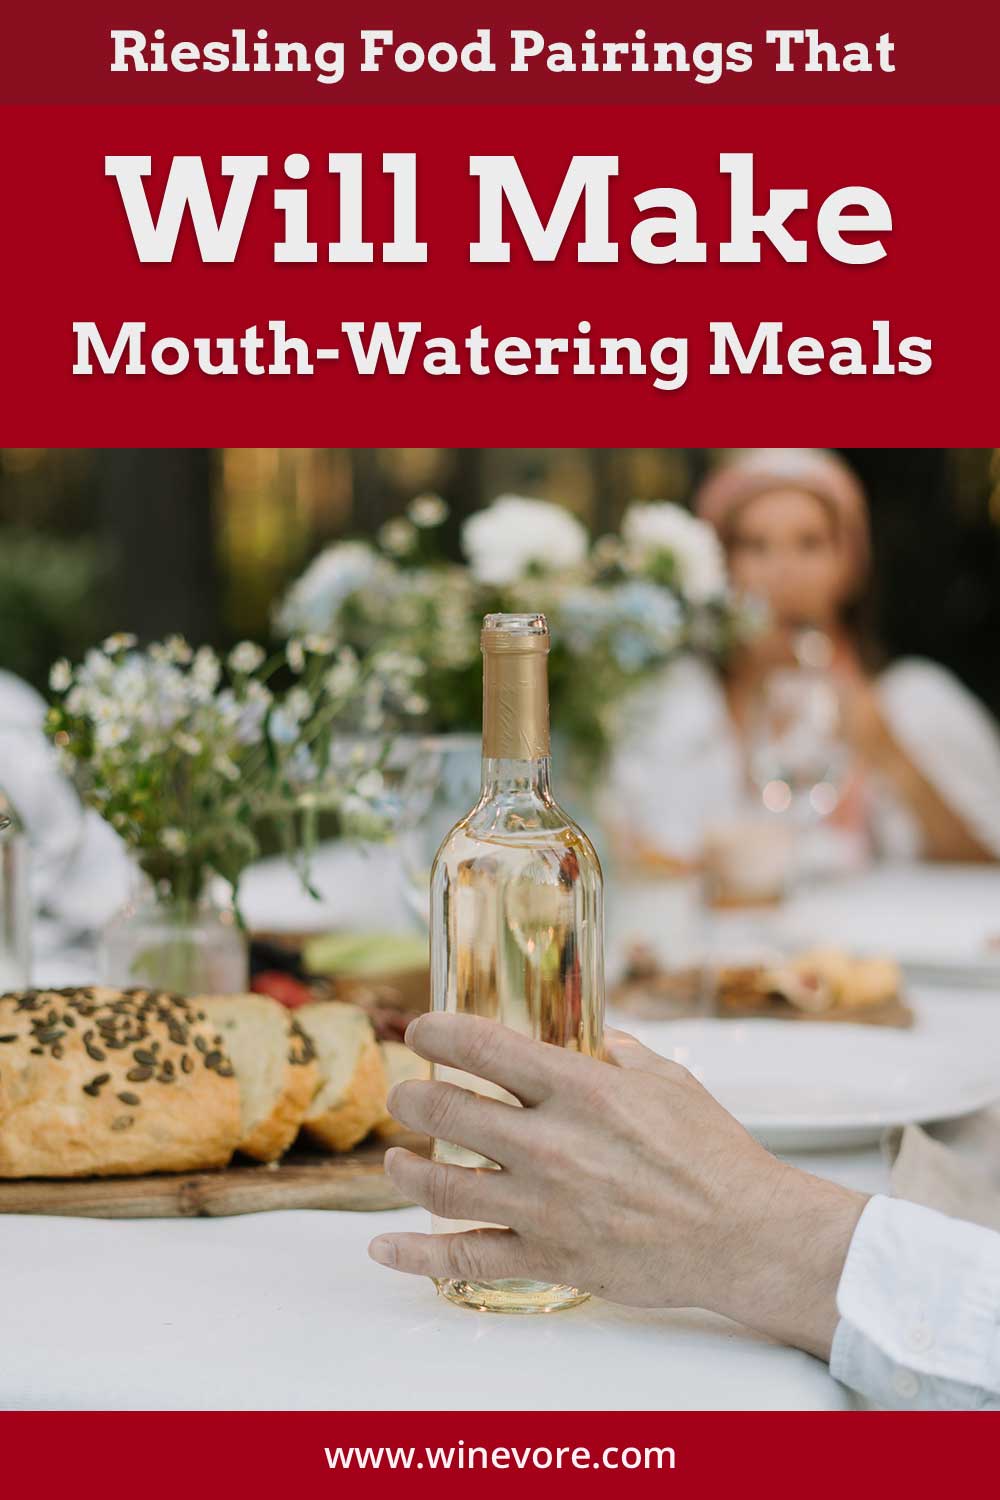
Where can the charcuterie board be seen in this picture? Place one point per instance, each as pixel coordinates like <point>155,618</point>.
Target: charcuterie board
<point>302,1179</point>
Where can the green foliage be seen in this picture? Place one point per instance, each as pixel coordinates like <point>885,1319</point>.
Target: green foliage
<point>50,599</point>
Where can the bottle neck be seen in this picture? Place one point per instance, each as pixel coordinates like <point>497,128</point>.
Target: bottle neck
<point>516,723</point>
<point>520,778</point>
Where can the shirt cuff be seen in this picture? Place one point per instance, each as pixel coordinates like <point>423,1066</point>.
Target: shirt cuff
<point>919,1305</point>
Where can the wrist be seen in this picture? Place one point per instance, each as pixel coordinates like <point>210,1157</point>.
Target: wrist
<point>790,1263</point>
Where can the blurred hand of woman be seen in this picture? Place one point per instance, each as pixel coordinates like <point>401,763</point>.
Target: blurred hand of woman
<point>624,1177</point>
<point>864,725</point>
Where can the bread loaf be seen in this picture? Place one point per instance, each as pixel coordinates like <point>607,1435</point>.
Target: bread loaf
<point>112,1083</point>
<point>400,1064</point>
<point>352,1092</point>
<point>276,1070</point>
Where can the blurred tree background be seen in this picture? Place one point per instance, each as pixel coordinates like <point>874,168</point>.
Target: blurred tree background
<point>201,540</point>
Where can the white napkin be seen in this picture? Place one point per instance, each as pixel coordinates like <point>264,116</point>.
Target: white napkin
<point>955,1170</point>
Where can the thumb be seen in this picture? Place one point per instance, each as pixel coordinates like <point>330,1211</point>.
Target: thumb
<point>625,1052</point>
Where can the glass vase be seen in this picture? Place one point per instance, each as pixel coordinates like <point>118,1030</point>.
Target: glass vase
<point>187,947</point>
<point>15,903</point>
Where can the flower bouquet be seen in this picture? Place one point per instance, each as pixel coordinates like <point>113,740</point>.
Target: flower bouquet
<point>190,758</point>
<point>619,608</point>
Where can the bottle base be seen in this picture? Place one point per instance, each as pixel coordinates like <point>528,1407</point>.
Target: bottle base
<point>524,1297</point>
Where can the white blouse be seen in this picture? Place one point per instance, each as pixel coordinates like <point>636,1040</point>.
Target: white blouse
<point>680,764</point>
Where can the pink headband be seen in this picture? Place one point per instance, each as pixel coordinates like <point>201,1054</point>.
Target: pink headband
<point>754,471</point>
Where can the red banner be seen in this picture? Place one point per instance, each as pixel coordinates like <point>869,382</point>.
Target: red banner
<point>673,1453</point>
<point>70,259</point>
<point>729,299</point>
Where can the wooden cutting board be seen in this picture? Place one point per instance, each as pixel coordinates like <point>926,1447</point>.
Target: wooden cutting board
<point>302,1179</point>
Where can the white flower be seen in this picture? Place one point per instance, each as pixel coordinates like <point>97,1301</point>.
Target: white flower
<point>206,669</point>
<point>110,733</point>
<point>299,704</point>
<point>296,655</point>
<point>415,703</point>
<point>61,676</point>
<point>313,601</point>
<point>426,511</point>
<point>300,767</point>
<point>188,744</point>
<point>246,657</point>
<point>513,534</point>
<point>370,784</point>
<point>122,640</point>
<point>342,677</point>
<point>397,536</point>
<point>283,727</point>
<point>319,645</point>
<point>244,716</point>
<point>176,650</point>
<point>397,664</point>
<point>227,767</point>
<point>662,528</point>
<point>174,840</point>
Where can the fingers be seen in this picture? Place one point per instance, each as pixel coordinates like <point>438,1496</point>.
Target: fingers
<point>625,1052</point>
<point>448,1192</point>
<point>527,1069</point>
<point>473,1255</point>
<point>459,1116</point>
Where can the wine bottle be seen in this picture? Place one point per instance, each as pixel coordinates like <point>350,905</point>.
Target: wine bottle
<point>517,923</point>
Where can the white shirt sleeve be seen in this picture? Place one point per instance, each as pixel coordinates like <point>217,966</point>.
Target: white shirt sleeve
<point>950,737</point>
<point>919,1305</point>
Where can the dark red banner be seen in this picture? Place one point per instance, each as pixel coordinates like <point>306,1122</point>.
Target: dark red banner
<point>535,51</point>
<point>817,339</point>
<point>692,1454</point>
<point>69,258</point>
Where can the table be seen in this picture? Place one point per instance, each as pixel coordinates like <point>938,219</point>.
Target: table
<point>286,1311</point>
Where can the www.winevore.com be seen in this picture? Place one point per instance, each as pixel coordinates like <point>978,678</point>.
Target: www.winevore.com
<point>462,1456</point>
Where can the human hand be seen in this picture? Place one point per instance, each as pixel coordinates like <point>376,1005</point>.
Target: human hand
<point>864,725</point>
<point>623,1177</point>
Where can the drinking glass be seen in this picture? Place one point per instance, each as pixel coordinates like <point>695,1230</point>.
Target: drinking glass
<point>798,758</point>
<point>440,783</point>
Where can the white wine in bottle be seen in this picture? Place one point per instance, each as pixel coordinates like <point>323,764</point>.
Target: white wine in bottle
<point>517,921</point>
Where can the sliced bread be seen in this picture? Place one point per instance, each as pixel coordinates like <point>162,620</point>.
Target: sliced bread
<point>351,1097</point>
<point>108,1083</point>
<point>275,1065</point>
<point>400,1064</point>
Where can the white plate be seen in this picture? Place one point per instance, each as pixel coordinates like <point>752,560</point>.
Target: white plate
<point>800,1086</point>
<point>942,922</point>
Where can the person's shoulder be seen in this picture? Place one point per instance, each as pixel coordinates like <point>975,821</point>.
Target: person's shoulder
<point>918,687</point>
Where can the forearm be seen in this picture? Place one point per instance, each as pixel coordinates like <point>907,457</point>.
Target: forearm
<point>946,835</point>
<point>783,1270</point>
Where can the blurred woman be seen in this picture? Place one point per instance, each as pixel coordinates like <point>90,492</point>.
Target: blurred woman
<point>926,775</point>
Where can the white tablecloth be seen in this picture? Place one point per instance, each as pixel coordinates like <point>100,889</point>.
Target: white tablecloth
<point>285,1310</point>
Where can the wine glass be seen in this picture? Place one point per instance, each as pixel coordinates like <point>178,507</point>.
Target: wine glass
<point>799,760</point>
<point>440,784</point>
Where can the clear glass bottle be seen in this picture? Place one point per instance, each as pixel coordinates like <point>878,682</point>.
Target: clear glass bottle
<point>517,920</point>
